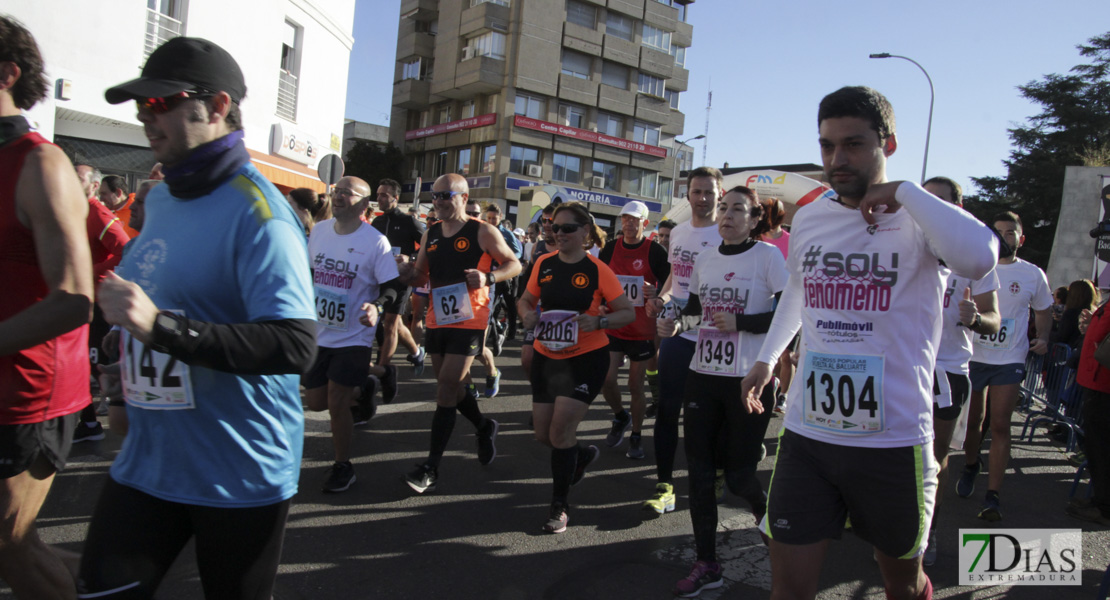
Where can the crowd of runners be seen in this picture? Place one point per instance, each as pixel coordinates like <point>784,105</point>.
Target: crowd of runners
<point>224,310</point>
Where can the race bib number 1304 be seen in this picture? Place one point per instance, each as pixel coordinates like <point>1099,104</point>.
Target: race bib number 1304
<point>843,393</point>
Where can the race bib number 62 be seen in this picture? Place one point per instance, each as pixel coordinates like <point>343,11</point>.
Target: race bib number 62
<point>843,393</point>
<point>452,304</point>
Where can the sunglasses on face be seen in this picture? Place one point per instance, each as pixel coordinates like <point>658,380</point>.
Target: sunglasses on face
<point>566,228</point>
<point>444,195</point>
<point>161,106</point>
<point>547,221</point>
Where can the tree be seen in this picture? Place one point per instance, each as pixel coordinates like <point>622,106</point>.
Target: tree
<point>374,162</point>
<point>1073,128</point>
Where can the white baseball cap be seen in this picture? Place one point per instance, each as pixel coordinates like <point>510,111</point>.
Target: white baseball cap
<point>636,209</point>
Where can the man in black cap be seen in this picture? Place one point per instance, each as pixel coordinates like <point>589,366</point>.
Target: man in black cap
<point>217,317</point>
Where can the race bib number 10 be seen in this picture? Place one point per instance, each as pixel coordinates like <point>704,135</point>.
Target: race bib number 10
<point>452,304</point>
<point>1002,339</point>
<point>153,380</point>
<point>717,352</point>
<point>633,288</point>
<point>557,329</point>
<point>843,393</point>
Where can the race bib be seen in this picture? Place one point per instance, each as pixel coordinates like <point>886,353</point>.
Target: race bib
<point>557,329</point>
<point>633,288</point>
<point>452,304</point>
<point>331,309</point>
<point>843,393</point>
<point>1003,339</point>
<point>717,352</point>
<point>151,379</point>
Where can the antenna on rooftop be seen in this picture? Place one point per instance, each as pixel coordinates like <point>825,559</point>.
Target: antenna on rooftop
<point>705,134</point>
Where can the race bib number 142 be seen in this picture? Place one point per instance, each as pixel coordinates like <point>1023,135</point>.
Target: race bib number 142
<point>153,380</point>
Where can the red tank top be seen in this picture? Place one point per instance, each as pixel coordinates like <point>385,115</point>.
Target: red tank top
<point>634,261</point>
<point>51,379</point>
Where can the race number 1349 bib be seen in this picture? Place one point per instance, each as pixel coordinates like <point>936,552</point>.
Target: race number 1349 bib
<point>452,304</point>
<point>843,393</point>
<point>717,352</point>
<point>557,329</point>
<point>633,288</point>
<point>1002,339</point>
<point>151,379</point>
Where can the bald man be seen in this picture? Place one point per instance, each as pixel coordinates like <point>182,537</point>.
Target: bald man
<point>455,256</point>
<point>353,275</point>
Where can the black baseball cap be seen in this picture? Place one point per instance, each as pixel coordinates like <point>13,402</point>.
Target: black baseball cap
<point>182,64</point>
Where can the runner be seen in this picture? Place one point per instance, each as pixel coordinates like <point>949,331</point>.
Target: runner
<point>571,356</point>
<point>687,241</point>
<point>641,266</point>
<point>733,291</point>
<point>44,313</point>
<point>403,231</point>
<point>215,302</point>
<point>354,274</point>
<point>455,257</point>
<point>865,288</point>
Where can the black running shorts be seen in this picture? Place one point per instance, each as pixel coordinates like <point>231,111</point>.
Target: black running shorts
<point>21,444</point>
<point>452,340</point>
<point>347,366</point>
<point>579,377</point>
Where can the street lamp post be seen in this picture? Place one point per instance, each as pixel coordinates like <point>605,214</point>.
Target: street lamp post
<point>674,172</point>
<point>929,129</point>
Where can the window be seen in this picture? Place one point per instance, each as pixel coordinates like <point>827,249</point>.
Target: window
<point>657,38</point>
<point>665,188</point>
<point>429,27</point>
<point>413,120</point>
<point>685,158</point>
<point>165,20</point>
<point>646,133</point>
<point>610,125</point>
<point>530,106</point>
<point>520,158</point>
<point>679,54</point>
<point>650,85</point>
<point>619,25</point>
<point>462,162</point>
<point>489,159</point>
<point>576,64</point>
<point>491,44</point>
<point>501,2</point>
<point>572,116</point>
<point>642,182</point>
<point>467,110</point>
<point>444,114</point>
<point>614,74</point>
<point>582,14</point>
<point>608,172</point>
<point>439,163</point>
<point>412,69</point>
<point>567,168</point>
<point>288,71</point>
<point>672,98</point>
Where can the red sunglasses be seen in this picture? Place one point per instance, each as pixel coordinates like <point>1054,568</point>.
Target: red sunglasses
<point>164,105</point>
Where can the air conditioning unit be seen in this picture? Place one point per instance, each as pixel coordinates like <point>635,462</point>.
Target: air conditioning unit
<point>468,53</point>
<point>535,171</point>
<point>597,181</point>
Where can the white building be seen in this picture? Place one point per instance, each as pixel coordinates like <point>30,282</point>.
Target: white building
<point>293,53</point>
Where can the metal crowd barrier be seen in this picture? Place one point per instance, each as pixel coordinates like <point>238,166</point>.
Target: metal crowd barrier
<point>1050,382</point>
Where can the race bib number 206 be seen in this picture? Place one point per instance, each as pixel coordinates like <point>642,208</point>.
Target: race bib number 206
<point>843,393</point>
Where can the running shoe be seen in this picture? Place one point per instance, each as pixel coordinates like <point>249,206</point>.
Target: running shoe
<point>102,409</point>
<point>704,576</point>
<point>1088,512</point>
<point>340,477</point>
<point>992,509</point>
<point>651,410</point>
<point>487,449</point>
<point>621,423</point>
<point>719,486</point>
<point>635,447</point>
<point>472,391</point>
<point>586,457</point>
<point>493,384</point>
<point>365,409</point>
<point>417,360</point>
<point>663,500</point>
<point>780,404</point>
<point>965,487</point>
<point>88,432</point>
<point>930,557</point>
<point>557,518</point>
<point>422,479</point>
<point>389,384</point>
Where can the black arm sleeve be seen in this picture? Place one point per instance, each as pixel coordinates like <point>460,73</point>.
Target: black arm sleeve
<point>391,292</point>
<point>606,254</point>
<point>264,348</point>
<point>757,323</point>
<point>659,262</point>
<point>691,314</point>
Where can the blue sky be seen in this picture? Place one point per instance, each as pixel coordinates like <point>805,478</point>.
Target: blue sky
<point>770,62</point>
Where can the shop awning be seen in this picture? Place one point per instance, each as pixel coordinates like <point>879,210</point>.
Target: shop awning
<point>285,173</point>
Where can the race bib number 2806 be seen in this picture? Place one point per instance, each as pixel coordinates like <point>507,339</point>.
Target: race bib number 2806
<point>843,393</point>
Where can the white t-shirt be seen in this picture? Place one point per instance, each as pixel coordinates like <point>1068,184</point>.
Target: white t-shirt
<point>1021,286</point>
<point>955,340</point>
<point>346,272</point>
<point>744,283</point>
<point>687,242</point>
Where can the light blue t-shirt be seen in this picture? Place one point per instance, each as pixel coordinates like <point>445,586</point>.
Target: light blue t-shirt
<point>237,255</point>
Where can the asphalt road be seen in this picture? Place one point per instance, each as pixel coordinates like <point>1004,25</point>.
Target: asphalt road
<point>478,535</point>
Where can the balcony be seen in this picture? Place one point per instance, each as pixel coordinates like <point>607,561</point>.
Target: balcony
<point>585,34</point>
<point>615,100</point>
<point>675,123</point>
<point>656,62</point>
<point>621,51</point>
<point>160,29</point>
<point>632,8</point>
<point>486,16</point>
<point>679,79</point>
<point>421,10</point>
<point>478,75</point>
<point>683,34</point>
<point>582,91</point>
<point>416,44</point>
<point>652,109</point>
<point>660,15</point>
<point>287,96</point>
<point>411,93</point>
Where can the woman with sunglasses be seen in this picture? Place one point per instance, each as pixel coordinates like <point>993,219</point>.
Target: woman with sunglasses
<point>733,291</point>
<point>571,347</point>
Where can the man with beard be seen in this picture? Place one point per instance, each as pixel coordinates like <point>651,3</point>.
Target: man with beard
<point>865,289</point>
